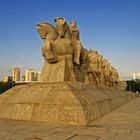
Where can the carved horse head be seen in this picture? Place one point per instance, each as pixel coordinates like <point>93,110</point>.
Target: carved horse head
<point>47,31</point>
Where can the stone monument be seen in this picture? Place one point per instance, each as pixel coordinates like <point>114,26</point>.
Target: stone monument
<point>77,85</point>
<point>65,58</point>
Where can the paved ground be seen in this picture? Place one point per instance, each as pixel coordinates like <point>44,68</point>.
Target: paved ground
<point>121,124</point>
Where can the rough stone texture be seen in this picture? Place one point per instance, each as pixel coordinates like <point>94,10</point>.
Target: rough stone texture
<point>86,66</point>
<point>70,103</point>
<point>121,124</point>
<point>59,72</point>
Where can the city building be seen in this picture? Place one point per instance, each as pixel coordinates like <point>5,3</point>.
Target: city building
<point>7,79</point>
<point>38,76</point>
<point>136,75</point>
<point>23,78</point>
<point>132,76</point>
<point>29,75</point>
<point>16,74</point>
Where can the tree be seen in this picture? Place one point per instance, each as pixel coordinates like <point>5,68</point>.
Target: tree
<point>130,86</point>
<point>133,85</point>
<point>137,86</point>
<point>6,85</point>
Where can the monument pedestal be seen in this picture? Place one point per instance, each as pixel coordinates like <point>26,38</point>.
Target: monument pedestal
<point>59,71</point>
<point>68,103</point>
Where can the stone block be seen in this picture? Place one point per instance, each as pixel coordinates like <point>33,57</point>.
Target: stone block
<point>68,103</point>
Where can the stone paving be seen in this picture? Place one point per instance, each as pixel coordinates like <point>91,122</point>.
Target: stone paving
<point>121,124</point>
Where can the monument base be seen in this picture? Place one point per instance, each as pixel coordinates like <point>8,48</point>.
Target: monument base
<point>60,71</point>
<point>68,103</point>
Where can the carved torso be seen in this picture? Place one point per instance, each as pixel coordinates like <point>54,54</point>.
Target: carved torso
<point>93,63</point>
<point>63,46</point>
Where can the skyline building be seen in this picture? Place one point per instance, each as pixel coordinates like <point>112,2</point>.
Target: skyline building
<point>38,76</point>
<point>7,79</point>
<point>136,75</point>
<point>29,75</point>
<point>23,78</point>
<point>16,74</point>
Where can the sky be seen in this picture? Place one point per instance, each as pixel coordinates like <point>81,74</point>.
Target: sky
<point>110,26</point>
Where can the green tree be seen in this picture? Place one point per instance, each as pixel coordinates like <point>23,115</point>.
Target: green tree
<point>131,85</point>
<point>6,85</point>
<point>137,86</point>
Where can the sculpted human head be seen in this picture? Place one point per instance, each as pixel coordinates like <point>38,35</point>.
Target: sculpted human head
<point>96,53</point>
<point>107,64</point>
<point>90,50</point>
<point>100,56</point>
<point>73,26</point>
<point>60,25</point>
<point>112,67</point>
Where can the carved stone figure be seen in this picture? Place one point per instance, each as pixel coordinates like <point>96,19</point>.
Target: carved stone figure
<point>105,72</point>
<point>116,77</point>
<point>84,64</point>
<point>121,85</point>
<point>112,76</point>
<point>65,59</point>
<point>81,54</point>
<point>100,59</point>
<point>49,33</point>
<point>63,43</point>
<point>62,28</point>
<point>75,35</point>
<point>76,41</point>
<point>64,47</point>
<point>93,67</point>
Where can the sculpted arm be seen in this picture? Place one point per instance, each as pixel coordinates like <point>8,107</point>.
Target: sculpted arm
<point>43,49</point>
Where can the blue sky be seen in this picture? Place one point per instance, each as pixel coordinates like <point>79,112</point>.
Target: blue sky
<point>110,26</point>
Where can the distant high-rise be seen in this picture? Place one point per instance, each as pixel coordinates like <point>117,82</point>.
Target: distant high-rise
<point>29,75</point>
<point>7,79</point>
<point>16,74</point>
<point>23,78</point>
<point>38,76</point>
<point>134,76</point>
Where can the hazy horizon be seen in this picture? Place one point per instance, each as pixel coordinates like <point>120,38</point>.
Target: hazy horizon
<point>111,27</point>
